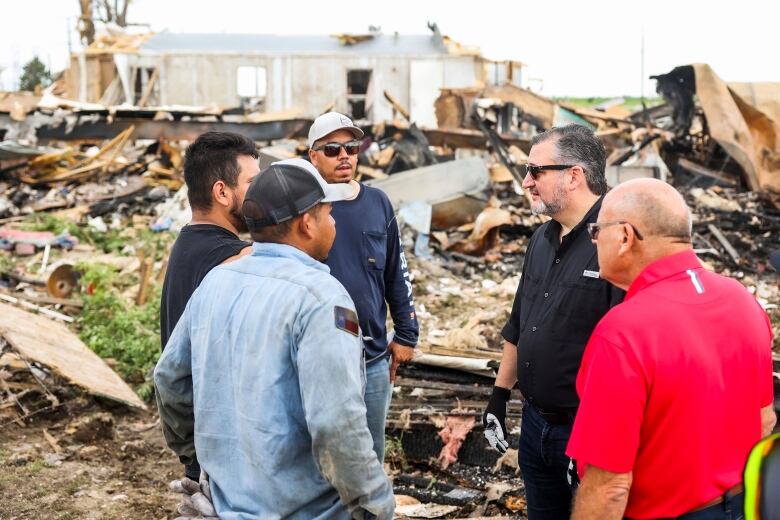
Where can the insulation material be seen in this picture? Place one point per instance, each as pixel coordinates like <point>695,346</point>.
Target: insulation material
<point>453,434</point>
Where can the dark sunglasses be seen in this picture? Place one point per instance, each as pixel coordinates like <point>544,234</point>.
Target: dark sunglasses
<point>595,227</point>
<point>334,149</point>
<point>534,171</point>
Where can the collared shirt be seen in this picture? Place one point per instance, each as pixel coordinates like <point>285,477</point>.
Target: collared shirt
<point>267,359</point>
<point>672,385</point>
<point>368,259</point>
<point>558,303</point>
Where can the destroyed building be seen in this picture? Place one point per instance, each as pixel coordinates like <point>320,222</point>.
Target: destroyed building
<point>273,73</point>
<point>112,176</point>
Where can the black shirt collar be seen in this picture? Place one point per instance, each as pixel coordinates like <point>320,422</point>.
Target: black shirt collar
<point>553,231</point>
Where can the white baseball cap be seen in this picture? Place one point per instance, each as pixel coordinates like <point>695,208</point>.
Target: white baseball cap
<point>330,122</point>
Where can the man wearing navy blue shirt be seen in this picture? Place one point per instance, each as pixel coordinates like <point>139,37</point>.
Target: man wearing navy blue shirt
<point>369,261</point>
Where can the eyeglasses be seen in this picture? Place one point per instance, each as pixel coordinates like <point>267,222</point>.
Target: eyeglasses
<point>334,149</point>
<point>595,227</point>
<point>534,171</point>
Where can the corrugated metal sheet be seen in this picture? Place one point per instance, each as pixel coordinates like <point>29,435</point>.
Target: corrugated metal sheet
<point>10,150</point>
<point>381,44</point>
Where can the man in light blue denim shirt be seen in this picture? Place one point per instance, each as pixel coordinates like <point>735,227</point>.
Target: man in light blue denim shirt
<point>267,359</point>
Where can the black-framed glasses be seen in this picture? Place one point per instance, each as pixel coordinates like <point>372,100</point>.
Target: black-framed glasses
<point>534,171</point>
<point>595,227</point>
<point>334,149</point>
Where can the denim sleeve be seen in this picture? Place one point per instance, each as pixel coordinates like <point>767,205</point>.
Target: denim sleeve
<point>330,371</point>
<point>173,391</point>
<point>398,289</point>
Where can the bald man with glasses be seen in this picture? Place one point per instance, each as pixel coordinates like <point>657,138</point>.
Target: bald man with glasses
<point>676,382</point>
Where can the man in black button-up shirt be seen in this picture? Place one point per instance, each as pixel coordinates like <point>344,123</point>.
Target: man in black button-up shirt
<point>560,299</point>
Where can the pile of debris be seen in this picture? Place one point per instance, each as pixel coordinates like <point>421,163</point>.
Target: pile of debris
<point>114,176</point>
<point>102,179</point>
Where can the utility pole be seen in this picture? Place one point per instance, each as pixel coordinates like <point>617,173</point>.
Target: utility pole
<point>67,28</point>
<point>642,67</point>
<point>642,81</point>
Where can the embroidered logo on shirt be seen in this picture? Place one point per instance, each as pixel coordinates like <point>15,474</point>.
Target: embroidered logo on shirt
<point>346,320</point>
<point>695,281</point>
<point>590,274</point>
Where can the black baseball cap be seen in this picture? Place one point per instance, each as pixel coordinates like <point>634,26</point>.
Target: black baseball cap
<point>287,189</point>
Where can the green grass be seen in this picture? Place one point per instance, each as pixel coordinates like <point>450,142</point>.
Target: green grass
<point>110,241</point>
<point>35,466</point>
<point>632,103</point>
<point>6,262</point>
<point>117,329</point>
<point>73,485</point>
<point>394,453</point>
<point>110,324</point>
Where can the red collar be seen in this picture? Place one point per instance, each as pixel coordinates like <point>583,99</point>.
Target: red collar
<point>662,269</point>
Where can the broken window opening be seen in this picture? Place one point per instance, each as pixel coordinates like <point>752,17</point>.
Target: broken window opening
<point>251,87</point>
<point>141,78</point>
<point>358,83</point>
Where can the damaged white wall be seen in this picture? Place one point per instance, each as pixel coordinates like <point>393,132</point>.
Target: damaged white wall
<point>312,82</point>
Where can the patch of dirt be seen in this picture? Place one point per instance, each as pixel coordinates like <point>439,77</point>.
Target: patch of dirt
<point>118,470</point>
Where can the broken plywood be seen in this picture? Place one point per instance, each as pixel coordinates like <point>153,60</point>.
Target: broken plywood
<point>747,134</point>
<point>51,344</point>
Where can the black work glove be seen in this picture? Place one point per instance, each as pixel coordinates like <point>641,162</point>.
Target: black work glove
<point>494,419</point>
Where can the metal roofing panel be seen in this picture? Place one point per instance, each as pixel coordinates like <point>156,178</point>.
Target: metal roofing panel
<point>381,44</point>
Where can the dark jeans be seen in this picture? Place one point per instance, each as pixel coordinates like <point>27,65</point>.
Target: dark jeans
<point>732,508</point>
<point>544,465</point>
<point>192,471</point>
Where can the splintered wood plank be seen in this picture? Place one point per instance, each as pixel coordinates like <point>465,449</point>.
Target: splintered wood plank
<point>40,339</point>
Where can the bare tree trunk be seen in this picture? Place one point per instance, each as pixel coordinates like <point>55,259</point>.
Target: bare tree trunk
<point>86,25</point>
<point>122,17</point>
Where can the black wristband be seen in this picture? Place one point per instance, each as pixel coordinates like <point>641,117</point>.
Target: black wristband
<point>501,393</point>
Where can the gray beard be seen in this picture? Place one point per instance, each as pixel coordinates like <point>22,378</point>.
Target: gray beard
<point>551,207</point>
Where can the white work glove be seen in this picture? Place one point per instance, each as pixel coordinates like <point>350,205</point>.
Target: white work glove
<point>196,499</point>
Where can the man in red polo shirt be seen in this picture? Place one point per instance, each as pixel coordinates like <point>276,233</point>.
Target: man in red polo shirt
<point>676,382</point>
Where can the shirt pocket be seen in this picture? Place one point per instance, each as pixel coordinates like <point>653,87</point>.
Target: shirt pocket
<point>581,306</point>
<point>529,294</point>
<point>374,250</point>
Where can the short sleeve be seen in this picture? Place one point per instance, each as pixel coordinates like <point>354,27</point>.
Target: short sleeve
<point>767,384</point>
<point>613,392</point>
<point>511,330</point>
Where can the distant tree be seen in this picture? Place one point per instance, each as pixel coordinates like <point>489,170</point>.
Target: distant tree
<point>113,12</point>
<point>108,12</point>
<point>34,73</point>
<point>86,25</point>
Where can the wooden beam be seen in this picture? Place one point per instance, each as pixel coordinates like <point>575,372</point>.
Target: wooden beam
<point>118,148</point>
<point>397,106</point>
<point>720,237</point>
<point>697,169</point>
<point>149,87</point>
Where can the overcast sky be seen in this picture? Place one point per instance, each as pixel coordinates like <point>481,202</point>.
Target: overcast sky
<point>571,47</point>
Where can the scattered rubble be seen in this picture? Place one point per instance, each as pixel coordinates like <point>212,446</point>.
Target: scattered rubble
<point>89,192</point>
<point>92,428</point>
